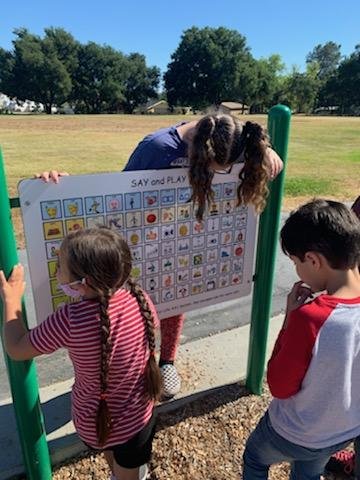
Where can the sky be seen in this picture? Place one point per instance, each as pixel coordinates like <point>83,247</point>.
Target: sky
<point>291,28</point>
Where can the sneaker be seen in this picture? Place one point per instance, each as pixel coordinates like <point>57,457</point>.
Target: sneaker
<point>143,473</point>
<point>341,462</point>
<point>171,380</point>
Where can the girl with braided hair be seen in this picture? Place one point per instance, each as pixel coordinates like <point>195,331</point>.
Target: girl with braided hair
<point>210,145</point>
<point>109,334</point>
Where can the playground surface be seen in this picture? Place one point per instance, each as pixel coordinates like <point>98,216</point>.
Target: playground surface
<point>204,439</point>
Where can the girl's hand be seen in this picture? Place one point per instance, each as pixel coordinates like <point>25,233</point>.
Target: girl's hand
<point>52,175</point>
<point>275,163</point>
<point>297,296</point>
<point>12,290</point>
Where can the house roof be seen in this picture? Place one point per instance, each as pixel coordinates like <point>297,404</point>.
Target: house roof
<point>233,105</point>
<point>155,103</point>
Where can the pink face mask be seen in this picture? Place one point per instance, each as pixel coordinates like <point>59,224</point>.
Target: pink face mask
<point>71,292</point>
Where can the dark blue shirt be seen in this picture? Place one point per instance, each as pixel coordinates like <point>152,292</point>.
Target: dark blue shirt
<point>160,150</point>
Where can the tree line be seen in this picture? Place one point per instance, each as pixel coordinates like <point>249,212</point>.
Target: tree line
<point>92,78</point>
<point>209,66</point>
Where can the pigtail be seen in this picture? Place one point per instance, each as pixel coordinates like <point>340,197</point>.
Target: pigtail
<point>255,174</point>
<point>103,417</point>
<point>152,373</point>
<point>202,153</point>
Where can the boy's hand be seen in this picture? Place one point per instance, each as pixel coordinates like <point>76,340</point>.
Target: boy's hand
<point>12,290</point>
<point>297,296</point>
<point>52,175</point>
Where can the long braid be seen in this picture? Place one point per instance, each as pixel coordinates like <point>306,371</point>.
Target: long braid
<point>103,258</point>
<point>152,374</point>
<point>103,417</point>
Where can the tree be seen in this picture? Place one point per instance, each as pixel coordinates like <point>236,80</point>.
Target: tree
<point>141,82</point>
<point>209,66</point>
<point>301,89</point>
<point>65,46</point>
<point>343,88</point>
<point>56,69</point>
<point>99,80</point>
<point>348,83</point>
<point>268,85</point>
<point>39,67</point>
<point>108,81</point>
<point>328,57</point>
<point>6,66</point>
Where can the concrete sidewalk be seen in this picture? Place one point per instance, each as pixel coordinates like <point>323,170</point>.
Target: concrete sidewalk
<point>204,364</point>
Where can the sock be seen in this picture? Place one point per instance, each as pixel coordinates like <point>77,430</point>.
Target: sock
<point>170,336</point>
<point>165,362</point>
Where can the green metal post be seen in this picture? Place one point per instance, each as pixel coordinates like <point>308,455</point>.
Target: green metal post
<point>22,375</point>
<point>279,127</point>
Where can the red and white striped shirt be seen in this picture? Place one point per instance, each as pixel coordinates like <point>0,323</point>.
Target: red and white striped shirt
<point>76,327</point>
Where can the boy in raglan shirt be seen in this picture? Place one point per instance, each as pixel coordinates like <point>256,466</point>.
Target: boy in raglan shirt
<point>314,371</point>
<point>344,460</point>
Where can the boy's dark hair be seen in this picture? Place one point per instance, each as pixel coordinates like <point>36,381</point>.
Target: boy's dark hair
<point>326,227</point>
<point>103,257</point>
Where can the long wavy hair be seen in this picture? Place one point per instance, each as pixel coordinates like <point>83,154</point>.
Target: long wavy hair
<point>224,140</point>
<point>103,257</point>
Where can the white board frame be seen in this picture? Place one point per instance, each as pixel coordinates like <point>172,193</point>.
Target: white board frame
<point>35,195</point>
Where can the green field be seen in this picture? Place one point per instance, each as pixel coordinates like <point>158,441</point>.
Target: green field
<point>323,160</point>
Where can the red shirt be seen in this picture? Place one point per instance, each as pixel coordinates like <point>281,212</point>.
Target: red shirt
<point>76,327</point>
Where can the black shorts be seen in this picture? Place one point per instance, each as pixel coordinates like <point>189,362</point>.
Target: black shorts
<point>136,451</point>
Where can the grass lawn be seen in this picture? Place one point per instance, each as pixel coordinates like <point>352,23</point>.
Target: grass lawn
<point>323,160</point>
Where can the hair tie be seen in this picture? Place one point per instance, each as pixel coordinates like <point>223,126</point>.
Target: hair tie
<point>152,353</point>
<point>247,129</point>
<point>103,396</point>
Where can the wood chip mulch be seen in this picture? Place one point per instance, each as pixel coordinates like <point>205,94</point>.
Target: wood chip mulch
<point>204,439</point>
